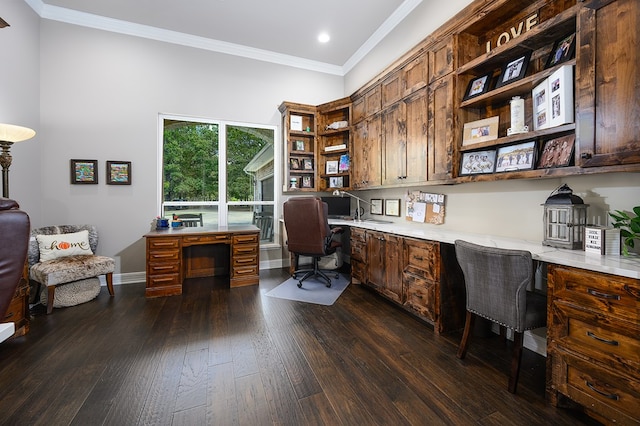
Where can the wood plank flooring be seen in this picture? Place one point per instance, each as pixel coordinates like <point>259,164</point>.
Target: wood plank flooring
<point>216,356</point>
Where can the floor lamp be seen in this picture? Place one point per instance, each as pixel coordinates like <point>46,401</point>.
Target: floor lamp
<point>358,216</point>
<point>9,134</point>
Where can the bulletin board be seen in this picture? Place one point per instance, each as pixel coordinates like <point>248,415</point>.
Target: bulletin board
<point>425,207</point>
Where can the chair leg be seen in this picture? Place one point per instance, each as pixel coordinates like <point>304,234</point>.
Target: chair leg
<point>468,327</point>
<point>110,282</point>
<point>515,361</point>
<point>51,290</point>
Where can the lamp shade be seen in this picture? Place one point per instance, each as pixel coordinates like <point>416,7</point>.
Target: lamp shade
<point>12,133</point>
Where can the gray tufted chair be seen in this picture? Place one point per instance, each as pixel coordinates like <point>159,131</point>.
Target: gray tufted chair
<point>496,281</point>
<point>71,269</point>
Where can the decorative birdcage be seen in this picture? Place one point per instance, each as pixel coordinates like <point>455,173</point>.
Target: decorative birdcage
<point>565,218</point>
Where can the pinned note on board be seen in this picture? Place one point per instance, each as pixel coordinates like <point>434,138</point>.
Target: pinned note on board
<point>425,207</point>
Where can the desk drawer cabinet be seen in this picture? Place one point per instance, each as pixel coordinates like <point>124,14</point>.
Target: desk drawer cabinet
<point>246,258</point>
<point>593,354</point>
<point>358,255</point>
<point>421,275</point>
<point>163,267</point>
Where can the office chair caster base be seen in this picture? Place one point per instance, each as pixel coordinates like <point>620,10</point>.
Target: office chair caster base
<point>299,285</point>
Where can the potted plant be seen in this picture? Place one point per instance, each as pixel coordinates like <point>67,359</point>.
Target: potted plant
<point>629,227</point>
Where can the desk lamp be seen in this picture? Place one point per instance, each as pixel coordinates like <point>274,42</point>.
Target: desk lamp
<point>9,134</point>
<point>358,216</point>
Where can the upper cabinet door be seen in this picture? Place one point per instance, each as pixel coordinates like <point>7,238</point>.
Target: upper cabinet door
<point>608,83</point>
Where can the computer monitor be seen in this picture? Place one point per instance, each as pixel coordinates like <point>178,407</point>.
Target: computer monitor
<point>338,206</point>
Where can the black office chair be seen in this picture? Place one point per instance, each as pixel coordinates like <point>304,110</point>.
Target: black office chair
<point>496,281</point>
<point>190,220</point>
<point>309,234</point>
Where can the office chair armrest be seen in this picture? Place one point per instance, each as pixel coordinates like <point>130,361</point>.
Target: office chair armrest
<point>337,230</point>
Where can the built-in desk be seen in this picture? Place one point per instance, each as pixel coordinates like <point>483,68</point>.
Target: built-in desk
<point>174,254</point>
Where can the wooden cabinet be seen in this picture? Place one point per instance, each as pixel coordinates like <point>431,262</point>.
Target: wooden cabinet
<point>384,252</point>
<point>358,256</point>
<point>18,310</point>
<point>367,104</point>
<point>367,158</point>
<point>442,58</point>
<point>245,259</point>
<point>593,353</point>
<point>441,130</point>
<point>394,144</point>
<point>300,146</point>
<point>421,274</point>
<point>608,83</point>
<point>164,260</point>
<point>334,145</point>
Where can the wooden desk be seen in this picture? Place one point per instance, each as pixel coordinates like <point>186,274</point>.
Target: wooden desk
<point>174,254</point>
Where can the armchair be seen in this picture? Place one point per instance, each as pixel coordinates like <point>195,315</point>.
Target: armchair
<point>309,234</point>
<point>63,256</point>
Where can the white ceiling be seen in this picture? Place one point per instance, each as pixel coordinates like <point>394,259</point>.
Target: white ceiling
<point>282,31</point>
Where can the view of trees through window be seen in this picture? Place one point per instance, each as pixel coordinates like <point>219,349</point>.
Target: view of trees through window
<point>219,171</point>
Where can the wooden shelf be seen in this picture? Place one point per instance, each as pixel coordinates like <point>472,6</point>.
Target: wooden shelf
<point>520,137</point>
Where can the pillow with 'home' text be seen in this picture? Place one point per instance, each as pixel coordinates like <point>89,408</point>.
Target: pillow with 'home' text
<point>62,245</point>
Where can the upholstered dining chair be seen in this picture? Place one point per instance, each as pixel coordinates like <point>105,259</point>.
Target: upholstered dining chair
<point>309,234</point>
<point>496,281</point>
<point>64,256</point>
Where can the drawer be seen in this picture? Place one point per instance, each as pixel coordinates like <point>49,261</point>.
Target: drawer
<point>613,294</point>
<point>357,234</point>
<point>245,260</point>
<point>359,251</point>
<point>604,341</point>
<point>358,270</point>
<point>245,270</point>
<point>422,258</point>
<point>164,280</point>
<point>190,240</point>
<point>164,256</point>
<point>245,249</point>
<point>163,243</point>
<point>608,394</point>
<point>163,268</point>
<point>245,239</point>
<point>421,296</point>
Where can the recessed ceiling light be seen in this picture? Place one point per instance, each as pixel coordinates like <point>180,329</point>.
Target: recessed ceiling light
<point>323,38</point>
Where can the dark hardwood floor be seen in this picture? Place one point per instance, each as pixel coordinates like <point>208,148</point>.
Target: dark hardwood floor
<point>216,356</point>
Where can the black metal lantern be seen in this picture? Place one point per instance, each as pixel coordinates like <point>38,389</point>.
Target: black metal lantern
<point>565,217</point>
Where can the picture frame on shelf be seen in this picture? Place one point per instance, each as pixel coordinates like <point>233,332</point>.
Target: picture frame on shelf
<point>336,182</point>
<point>118,172</point>
<point>307,182</point>
<point>514,70</point>
<point>84,171</point>
<point>295,123</point>
<point>392,207</point>
<point>478,86</point>
<point>557,152</point>
<point>480,131</point>
<point>521,156</point>
<point>298,145</point>
<point>294,163</point>
<point>307,164</point>
<point>376,206</point>
<point>540,99</point>
<point>563,50</point>
<point>343,164</point>
<point>331,167</point>
<point>478,162</point>
<point>561,107</point>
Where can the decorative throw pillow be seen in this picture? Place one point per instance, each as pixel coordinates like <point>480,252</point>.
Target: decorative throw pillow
<point>62,245</point>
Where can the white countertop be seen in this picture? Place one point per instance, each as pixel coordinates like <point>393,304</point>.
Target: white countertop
<point>6,330</point>
<point>616,265</point>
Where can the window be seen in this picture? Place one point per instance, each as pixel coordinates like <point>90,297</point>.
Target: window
<point>222,170</point>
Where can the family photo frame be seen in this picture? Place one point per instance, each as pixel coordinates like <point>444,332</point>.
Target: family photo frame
<point>514,70</point>
<point>563,50</point>
<point>478,162</point>
<point>480,131</point>
<point>478,86</point>
<point>516,157</point>
<point>557,152</point>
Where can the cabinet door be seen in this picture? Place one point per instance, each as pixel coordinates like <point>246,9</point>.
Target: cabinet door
<point>394,144</point>
<point>608,83</point>
<point>416,138</point>
<point>441,59</point>
<point>415,74</point>
<point>392,88</point>
<point>392,285</point>
<point>376,257</point>
<point>440,134</point>
<point>367,159</point>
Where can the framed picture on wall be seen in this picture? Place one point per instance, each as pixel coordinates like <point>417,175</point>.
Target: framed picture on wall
<point>84,171</point>
<point>118,172</point>
<point>516,157</point>
<point>392,207</point>
<point>376,206</point>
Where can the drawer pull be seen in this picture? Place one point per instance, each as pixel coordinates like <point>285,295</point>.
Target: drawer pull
<point>418,258</point>
<point>603,295</point>
<point>600,339</point>
<point>612,396</point>
<point>9,315</point>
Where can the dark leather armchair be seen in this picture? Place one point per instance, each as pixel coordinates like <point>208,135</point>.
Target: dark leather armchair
<point>14,241</point>
<point>309,234</point>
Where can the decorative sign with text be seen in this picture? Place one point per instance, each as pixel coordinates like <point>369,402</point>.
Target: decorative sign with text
<point>513,32</point>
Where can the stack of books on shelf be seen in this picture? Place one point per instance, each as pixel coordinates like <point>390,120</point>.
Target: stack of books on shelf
<point>335,147</point>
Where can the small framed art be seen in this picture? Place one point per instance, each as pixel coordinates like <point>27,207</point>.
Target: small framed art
<point>84,171</point>
<point>540,105</point>
<point>307,182</point>
<point>561,96</point>
<point>516,157</point>
<point>343,165</point>
<point>392,207</point>
<point>118,172</point>
<point>294,163</point>
<point>307,164</point>
<point>514,70</point>
<point>298,145</point>
<point>376,206</point>
<point>331,167</point>
<point>557,152</point>
<point>478,86</point>
<point>336,182</point>
<point>478,162</point>
<point>480,131</point>
<point>563,50</point>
